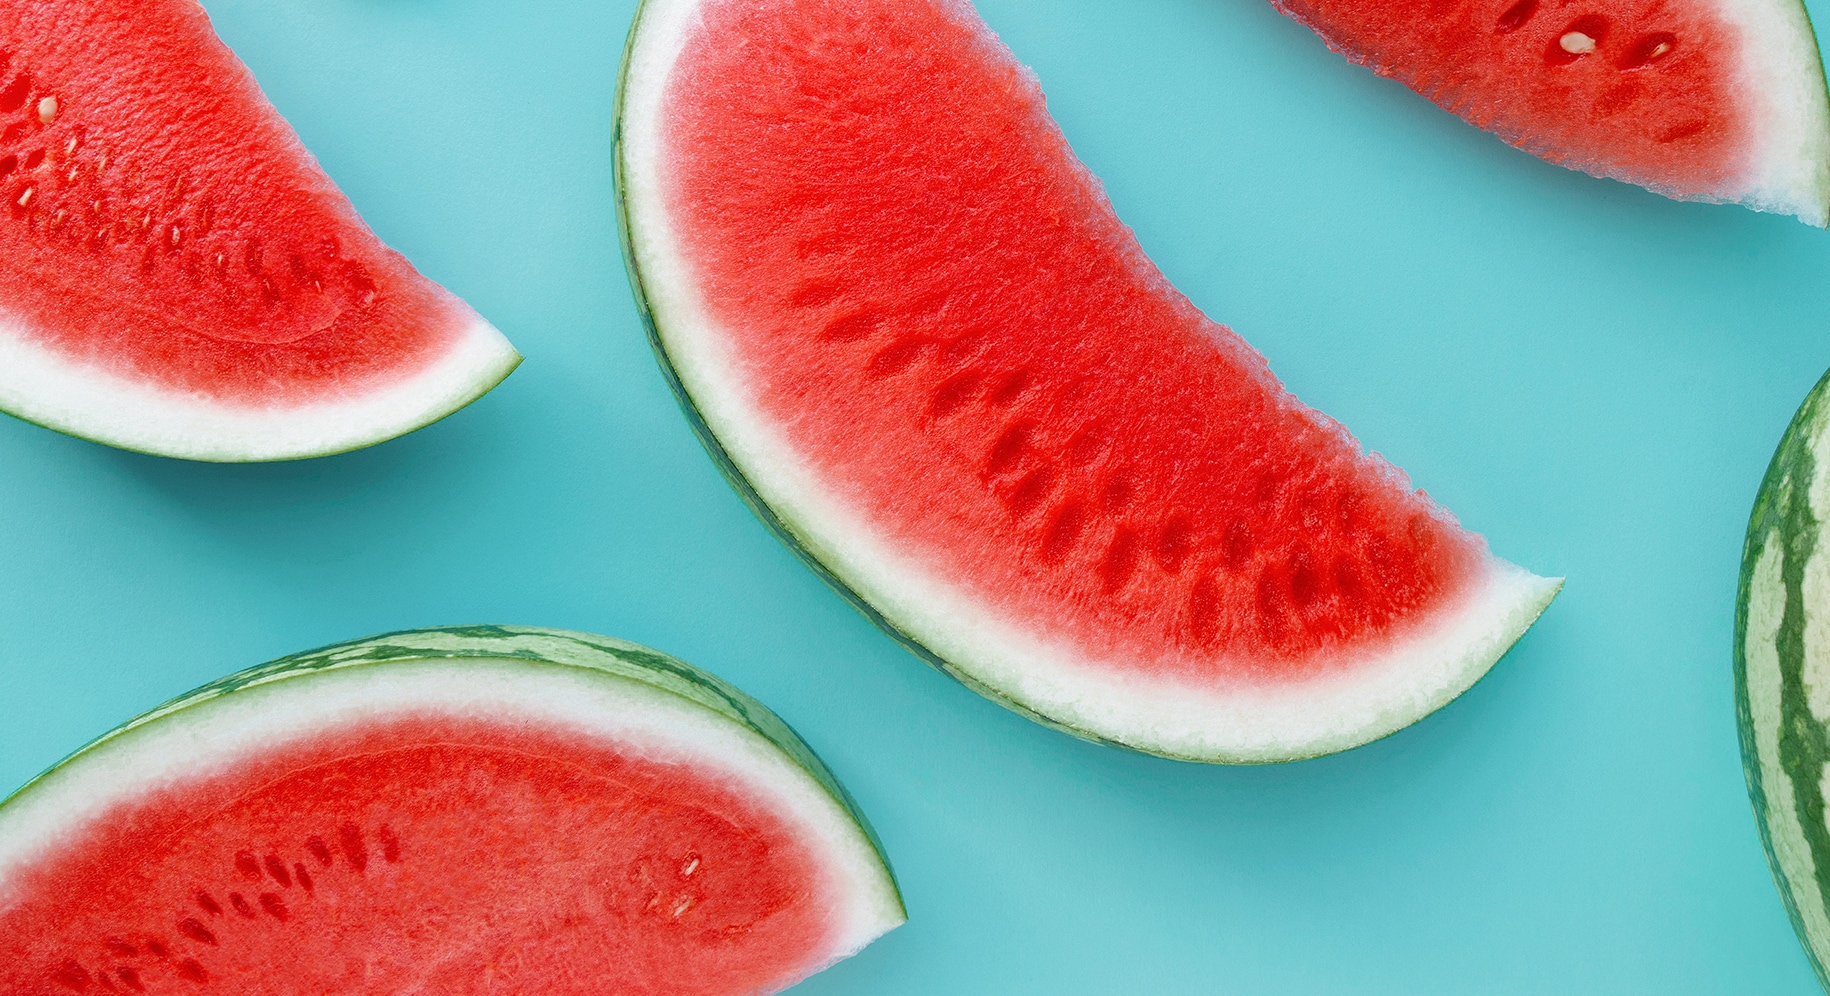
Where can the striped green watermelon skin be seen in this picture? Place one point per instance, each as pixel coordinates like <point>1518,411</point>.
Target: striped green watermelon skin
<point>528,643</point>
<point>1780,618</point>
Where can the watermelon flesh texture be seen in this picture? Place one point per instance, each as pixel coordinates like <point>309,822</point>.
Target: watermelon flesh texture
<point>180,275</point>
<point>1780,646</point>
<point>439,826</point>
<point>909,317</point>
<point>1717,100</point>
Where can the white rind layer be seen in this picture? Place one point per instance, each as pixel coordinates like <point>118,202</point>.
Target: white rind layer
<point>1359,701</point>
<point>47,387</point>
<point>213,734</point>
<point>1782,72</point>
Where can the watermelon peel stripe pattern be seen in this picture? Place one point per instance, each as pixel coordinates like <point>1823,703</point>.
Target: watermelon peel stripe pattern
<point>1782,684</point>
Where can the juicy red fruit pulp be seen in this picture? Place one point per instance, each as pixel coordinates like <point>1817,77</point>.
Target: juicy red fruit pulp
<point>931,299</point>
<point>436,855</point>
<point>1640,90</point>
<point>159,220</point>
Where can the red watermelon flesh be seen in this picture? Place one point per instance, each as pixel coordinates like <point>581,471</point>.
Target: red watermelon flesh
<point>1718,101</point>
<point>497,810</point>
<point>179,274</point>
<point>349,864</point>
<point>909,317</point>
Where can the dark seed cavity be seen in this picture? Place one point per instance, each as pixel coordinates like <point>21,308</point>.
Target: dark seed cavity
<point>1515,17</point>
<point>1647,49</point>
<point>357,853</point>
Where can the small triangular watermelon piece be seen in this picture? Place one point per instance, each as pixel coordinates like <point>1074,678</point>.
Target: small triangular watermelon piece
<point>455,811</point>
<point>177,274</point>
<point>907,319</point>
<point>1704,100</point>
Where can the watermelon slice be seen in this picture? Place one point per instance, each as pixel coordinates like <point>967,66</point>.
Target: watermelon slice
<point>454,811</point>
<point>907,322</point>
<point>1781,647</point>
<point>179,277</point>
<point>1707,100</point>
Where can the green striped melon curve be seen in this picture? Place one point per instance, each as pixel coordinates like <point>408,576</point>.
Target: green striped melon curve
<point>617,659</point>
<point>1782,671</point>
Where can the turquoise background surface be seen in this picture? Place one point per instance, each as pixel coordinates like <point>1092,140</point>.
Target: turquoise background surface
<point>1590,375</point>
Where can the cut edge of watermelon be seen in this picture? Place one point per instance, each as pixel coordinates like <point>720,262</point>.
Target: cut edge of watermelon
<point>1791,170</point>
<point>591,686</point>
<point>53,390</point>
<point>1047,682</point>
<point>1760,692</point>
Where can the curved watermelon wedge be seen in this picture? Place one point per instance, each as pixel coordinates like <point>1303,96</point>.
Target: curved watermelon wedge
<point>905,319</point>
<point>453,811</point>
<point>178,276</point>
<point>1705,100</point>
<point>1780,651</point>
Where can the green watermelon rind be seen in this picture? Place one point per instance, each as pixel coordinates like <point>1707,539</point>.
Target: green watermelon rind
<point>533,646</point>
<point>805,547</point>
<point>1782,511</point>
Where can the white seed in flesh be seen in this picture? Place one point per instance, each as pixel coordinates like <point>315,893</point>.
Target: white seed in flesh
<point>1577,43</point>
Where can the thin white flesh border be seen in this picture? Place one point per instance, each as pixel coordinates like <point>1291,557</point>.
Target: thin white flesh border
<point>1359,701</point>
<point>1782,71</point>
<point>42,385</point>
<point>210,735</point>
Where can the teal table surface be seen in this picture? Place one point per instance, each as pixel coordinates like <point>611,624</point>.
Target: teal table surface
<point>1590,375</point>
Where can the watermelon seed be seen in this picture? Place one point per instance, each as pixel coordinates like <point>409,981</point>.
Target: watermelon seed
<point>1121,559</point>
<point>1030,492</point>
<point>13,97</point>
<point>26,198</point>
<point>47,110</point>
<point>852,327</point>
<point>1174,544</point>
<point>692,865</point>
<point>240,903</point>
<point>34,159</point>
<point>390,845</point>
<point>70,150</point>
<point>121,949</point>
<point>351,838</point>
<point>194,929</point>
<point>898,356</point>
<point>952,393</point>
<point>72,975</point>
<point>275,907</point>
<point>8,164</point>
<point>1582,37</point>
<point>1116,496</point>
<point>189,970</point>
<point>1009,449</point>
<point>249,867</point>
<point>1238,548</point>
<point>130,977</point>
<point>1515,16</point>
<point>304,877</point>
<point>1063,530</point>
<point>209,904</point>
<point>1647,49</point>
<point>277,869</point>
<point>158,950</point>
<point>685,903</point>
